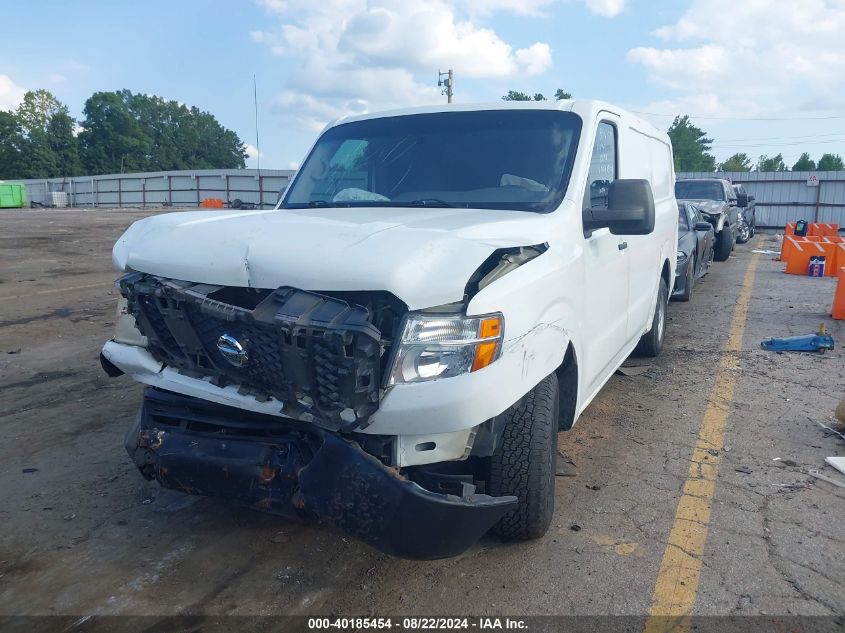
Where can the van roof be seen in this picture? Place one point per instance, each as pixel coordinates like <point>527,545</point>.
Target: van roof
<point>587,109</point>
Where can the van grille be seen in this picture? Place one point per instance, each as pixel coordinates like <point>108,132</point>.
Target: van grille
<point>320,355</point>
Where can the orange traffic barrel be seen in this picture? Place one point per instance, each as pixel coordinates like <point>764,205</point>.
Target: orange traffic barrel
<point>798,261</point>
<point>838,311</point>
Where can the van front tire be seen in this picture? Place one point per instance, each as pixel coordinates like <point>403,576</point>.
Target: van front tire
<point>652,341</point>
<point>524,462</point>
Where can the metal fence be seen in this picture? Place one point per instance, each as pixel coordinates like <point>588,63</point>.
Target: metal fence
<point>176,188</point>
<point>787,196</point>
<point>781,196</point>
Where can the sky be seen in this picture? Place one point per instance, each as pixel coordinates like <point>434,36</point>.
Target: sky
<point>759,76</point>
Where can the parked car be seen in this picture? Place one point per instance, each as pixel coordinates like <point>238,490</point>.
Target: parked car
<point>696,239</point>
<point>747,214</point>
<point>395,347</point>
<point>716,200</point>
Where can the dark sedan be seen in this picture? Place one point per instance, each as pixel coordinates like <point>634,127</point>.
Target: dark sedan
<point>696,239</point>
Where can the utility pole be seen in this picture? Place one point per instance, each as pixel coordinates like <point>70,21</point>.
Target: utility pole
<point>255,104</point>
<point>447,84</point>
<point>257,144</point>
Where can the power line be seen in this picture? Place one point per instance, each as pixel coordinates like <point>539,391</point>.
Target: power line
<point>740,118</point>
<point>780,144</point>
<point>774,138</point>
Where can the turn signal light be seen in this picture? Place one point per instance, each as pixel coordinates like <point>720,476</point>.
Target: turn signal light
<point>486,351</point>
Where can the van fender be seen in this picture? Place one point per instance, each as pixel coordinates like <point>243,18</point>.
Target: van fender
<point>538,301</point>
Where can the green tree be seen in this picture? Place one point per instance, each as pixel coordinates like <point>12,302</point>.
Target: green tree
<point>515,95</point>
<point>112,139</point>
<point>48,148</point>
<point>831,162</point>
<point>737,162</point>
<point>774,163</point>
<point>137,132</point>
<point>690,146</point>
<point>804,163</point>
<point>63,144</point>
<point>37,108</point>
<point>11,146</point>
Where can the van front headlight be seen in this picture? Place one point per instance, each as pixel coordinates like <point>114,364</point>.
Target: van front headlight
<point>433,347</point>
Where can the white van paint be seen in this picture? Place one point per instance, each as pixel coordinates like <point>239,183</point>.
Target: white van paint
<point>596,292</point>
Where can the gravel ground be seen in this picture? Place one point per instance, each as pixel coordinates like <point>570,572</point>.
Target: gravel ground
<point>83,533</point>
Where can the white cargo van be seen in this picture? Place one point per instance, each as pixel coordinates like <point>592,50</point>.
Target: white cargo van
<point>394,348</point>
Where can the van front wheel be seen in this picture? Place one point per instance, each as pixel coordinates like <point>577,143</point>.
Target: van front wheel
<point>524,462</point>
<point>652,341</point>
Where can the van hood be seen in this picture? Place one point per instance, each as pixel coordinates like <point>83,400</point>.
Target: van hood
<point>424,256</point>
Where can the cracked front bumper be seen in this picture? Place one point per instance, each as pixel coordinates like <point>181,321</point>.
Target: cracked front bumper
<point>276,466</point>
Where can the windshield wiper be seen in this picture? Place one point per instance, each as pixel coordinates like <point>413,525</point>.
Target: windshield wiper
<point>429,202</point>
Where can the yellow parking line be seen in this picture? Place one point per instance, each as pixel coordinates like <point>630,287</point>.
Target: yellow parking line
<point>677,581</point>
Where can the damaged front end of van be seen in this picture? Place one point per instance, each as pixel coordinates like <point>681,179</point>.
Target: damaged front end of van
<point>317,359</point>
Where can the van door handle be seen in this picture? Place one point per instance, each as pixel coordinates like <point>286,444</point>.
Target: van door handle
<point>622,246</point>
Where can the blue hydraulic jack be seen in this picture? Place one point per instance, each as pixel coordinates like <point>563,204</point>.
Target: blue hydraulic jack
<point>818,342</point>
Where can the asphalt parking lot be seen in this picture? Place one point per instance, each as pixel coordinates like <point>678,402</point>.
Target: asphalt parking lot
<point>636,529</point>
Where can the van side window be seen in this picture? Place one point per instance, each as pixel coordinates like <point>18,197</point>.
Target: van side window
<point>602,167</point>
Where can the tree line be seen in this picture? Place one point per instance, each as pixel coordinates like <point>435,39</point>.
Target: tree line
<point>120,132</point>
<point>691,148</point>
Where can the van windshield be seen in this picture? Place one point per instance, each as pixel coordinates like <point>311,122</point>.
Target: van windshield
<point>493,159</point>
<point>699,190</point>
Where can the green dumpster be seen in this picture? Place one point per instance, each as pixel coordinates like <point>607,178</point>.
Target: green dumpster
<point>12,195</point>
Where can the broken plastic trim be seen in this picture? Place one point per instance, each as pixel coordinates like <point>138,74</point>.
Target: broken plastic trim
<point>319,355</point>
<point>300,470</point>
<point>501,262</point>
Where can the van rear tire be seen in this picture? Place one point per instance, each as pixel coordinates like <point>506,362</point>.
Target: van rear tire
<point>524,462</point>
<point>652,341</point>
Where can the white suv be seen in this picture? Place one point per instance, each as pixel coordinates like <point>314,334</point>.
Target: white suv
<point>394,348</point>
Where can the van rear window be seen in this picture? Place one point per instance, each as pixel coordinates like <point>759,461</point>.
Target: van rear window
<point>492,159</point>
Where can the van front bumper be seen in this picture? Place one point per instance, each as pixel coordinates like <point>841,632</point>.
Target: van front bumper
<point>263,462</point>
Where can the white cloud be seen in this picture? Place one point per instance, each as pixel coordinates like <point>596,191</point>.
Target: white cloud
<point>56,78</point>
<point>360,55</point>
<point>536,59</point>
<point>252,151</point>
<point>606,8</point>
<point>770,54</point>
<point>675,67</point>
<point>11,94</point>
<point>518,7</point>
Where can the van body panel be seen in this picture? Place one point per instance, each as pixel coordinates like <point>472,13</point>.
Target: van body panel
<point>320,303</point>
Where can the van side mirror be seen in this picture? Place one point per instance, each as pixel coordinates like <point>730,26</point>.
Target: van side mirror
<point>742,200</point>
<point>630,209</point>
<point>703,226</point>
